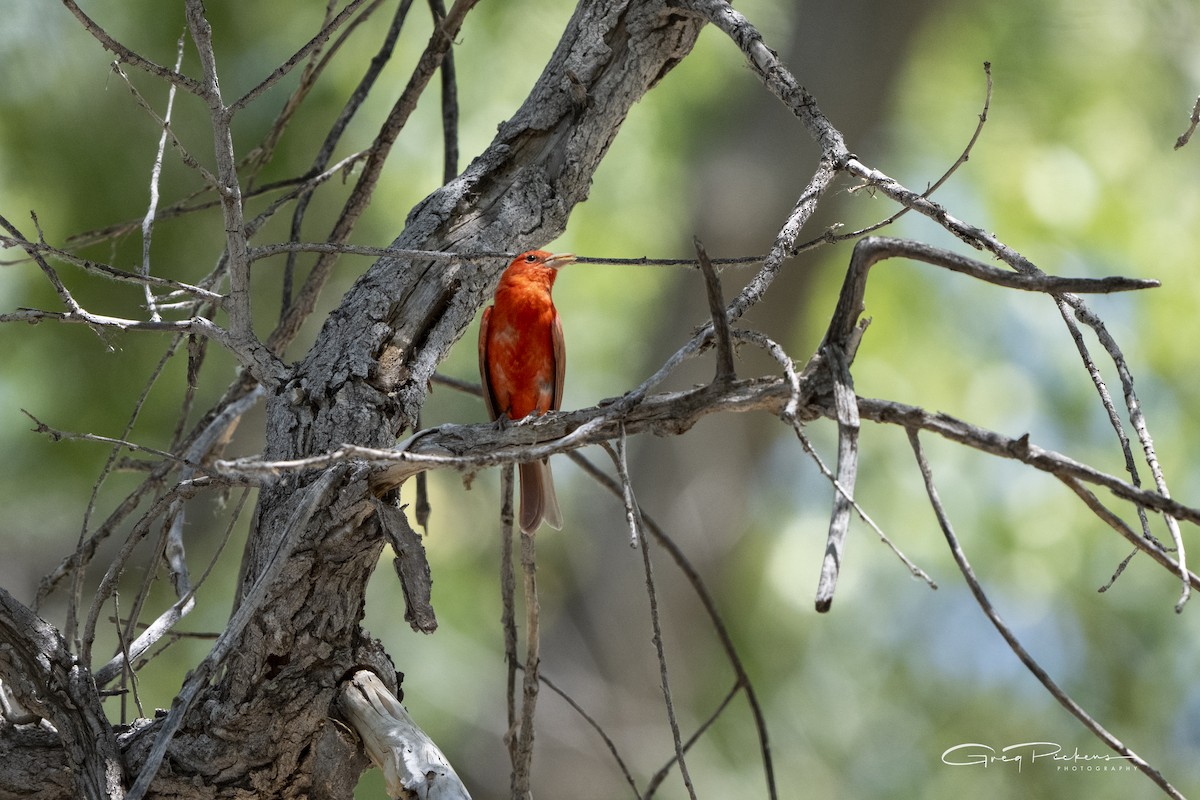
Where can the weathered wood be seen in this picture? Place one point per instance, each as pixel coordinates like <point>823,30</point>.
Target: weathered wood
<point>47,680</point>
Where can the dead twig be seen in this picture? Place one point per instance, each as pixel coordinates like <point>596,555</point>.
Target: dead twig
<point>716,308</point>
<point>1193,121</point>
<point>127,56</point>
<point>305,301</point>
<point>522,776</point>
<point>847,472</point>
<point>663,672</point>
<point>155,175</point>
<point>633,513</point>
<point>1014,644</point>
<point>710,609</point>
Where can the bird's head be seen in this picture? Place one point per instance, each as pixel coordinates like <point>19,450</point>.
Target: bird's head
<point>535,268</point>
<point>541,258</point>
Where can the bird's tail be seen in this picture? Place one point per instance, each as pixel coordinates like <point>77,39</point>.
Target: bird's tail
<point>538,502</point>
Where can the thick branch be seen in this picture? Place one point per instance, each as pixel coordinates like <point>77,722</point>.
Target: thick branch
<point>412,764</point>
<point>36,664</point>
<point>484,445</point>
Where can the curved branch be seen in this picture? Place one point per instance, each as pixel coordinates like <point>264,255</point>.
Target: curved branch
<point>47,680</point>
<point>873,249</point>
<point>412,764</point>
<point>127,56</point>
<point>469,447</point>
<point>964,566</point>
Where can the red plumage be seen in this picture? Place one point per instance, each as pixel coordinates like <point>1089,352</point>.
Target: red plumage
<point>522,362</point>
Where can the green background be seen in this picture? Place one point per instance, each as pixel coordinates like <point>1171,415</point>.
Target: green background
<point>1074,168</point>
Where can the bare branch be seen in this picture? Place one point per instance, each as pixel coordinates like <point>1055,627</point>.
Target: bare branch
<point>645,261</point>
<point>127,56</point>
<point>765,63</point>
<point>313,45</point>
<point>716,307</point>
<point>257,360</point>
<point>357,98</point>
<point>86,548</point>
<point>657,779</point>
<point>1023,450</point>
<point>58,435</point>
<point>1030,663</point>
<point>775,76</point>
<point>1142,542</point>
<point>873,249</point>
<point>449,101</point>
<point>1085,315</point>
<point>830,236</point>
<point>1194,120</point>
<point>228,185</point>
<point>470,447</point>
<point>333,248</point>
<point>46,679</point>
<point>439,43</point>
<point>103,270</point>
<point>847,472</point>
<point>190,204</point>
<point>155,174</point>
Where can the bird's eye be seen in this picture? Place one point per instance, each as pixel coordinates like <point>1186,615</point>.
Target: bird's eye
<point>530,258</point>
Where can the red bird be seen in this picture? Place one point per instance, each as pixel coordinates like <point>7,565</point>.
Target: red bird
<point>522,362</point>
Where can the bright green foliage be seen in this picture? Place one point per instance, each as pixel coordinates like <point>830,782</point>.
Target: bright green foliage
<point>1074,168</point>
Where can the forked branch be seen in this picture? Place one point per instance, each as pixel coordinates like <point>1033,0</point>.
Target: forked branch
<point>1010,638</point>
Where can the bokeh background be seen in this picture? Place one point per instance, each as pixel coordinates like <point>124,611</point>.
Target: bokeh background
<point>1074,168</point>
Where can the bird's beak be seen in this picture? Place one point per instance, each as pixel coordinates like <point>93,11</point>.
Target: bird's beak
<point>559,260</point>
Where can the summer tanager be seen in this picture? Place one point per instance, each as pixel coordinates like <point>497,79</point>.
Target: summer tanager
<point>522,362</point>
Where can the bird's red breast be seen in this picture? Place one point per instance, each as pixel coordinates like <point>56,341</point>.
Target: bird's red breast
<point>522,358</point>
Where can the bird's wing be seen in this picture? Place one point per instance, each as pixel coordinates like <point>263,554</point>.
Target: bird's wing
<point>560,362</point>
<point>484,379</point>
